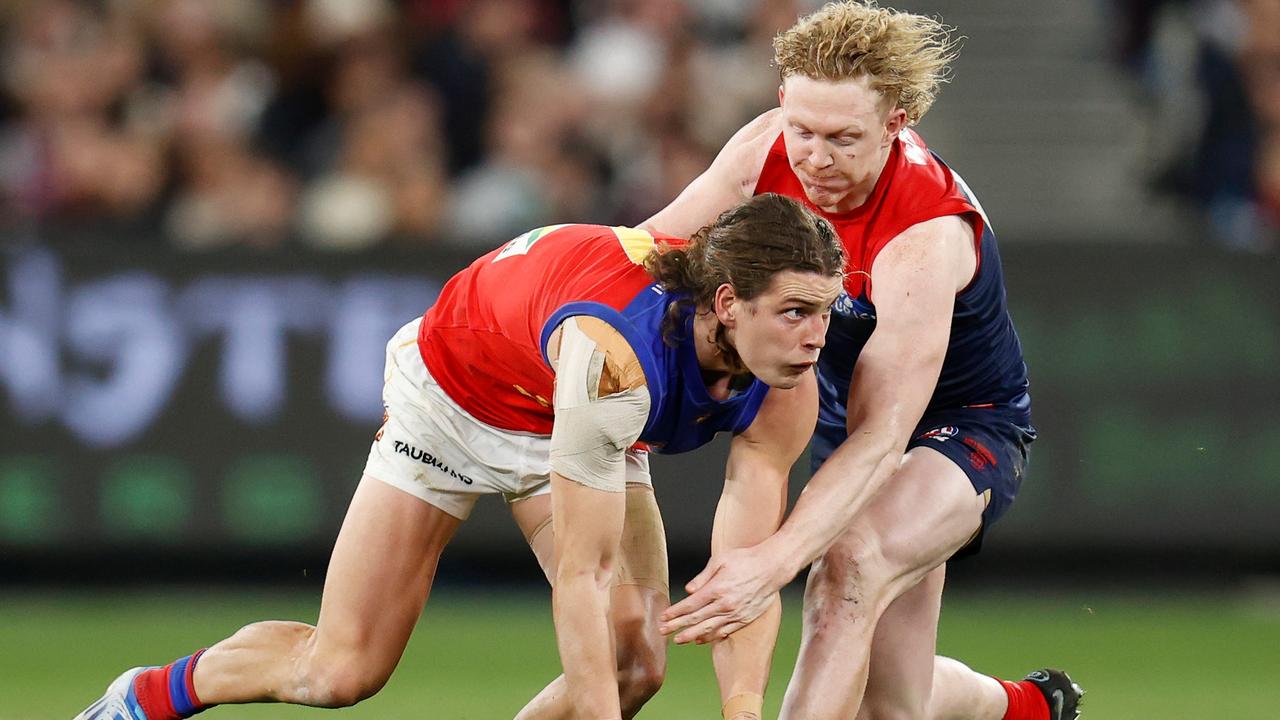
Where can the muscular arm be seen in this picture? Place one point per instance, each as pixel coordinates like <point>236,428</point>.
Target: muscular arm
<point>914,282</point>
<point>751,507</point>
<point>595,368</point>
<point>729,180</point>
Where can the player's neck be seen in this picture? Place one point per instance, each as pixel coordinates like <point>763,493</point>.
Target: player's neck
<point>717,374</point>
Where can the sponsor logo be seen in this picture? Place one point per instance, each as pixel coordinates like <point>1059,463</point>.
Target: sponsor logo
<point>941,434</point>
<point>430,460</point>
<point>980,457</point>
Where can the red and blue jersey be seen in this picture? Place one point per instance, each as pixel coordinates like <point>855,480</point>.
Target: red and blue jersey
<point>484,340</point>
<point>984,366</point>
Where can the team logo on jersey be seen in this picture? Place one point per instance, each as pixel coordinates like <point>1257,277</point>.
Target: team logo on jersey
<point>941,434</point>
<point>850,306</point>
<point>979,456</point>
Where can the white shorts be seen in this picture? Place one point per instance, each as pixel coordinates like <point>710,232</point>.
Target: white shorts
<point>433,449</point>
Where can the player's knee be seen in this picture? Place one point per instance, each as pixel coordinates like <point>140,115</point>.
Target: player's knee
<point>639,680</point>
<point>343,683</point>
<point>642,668</point>
<point>642,653</point>
<point>848,578</point>
<point>337,677</point>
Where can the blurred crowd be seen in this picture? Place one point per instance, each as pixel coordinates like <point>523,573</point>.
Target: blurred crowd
<point>346,123</point>
<point>343,123</point>
<point>1209,71</point>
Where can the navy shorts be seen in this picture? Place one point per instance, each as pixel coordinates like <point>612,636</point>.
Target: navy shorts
<point>986,444</point>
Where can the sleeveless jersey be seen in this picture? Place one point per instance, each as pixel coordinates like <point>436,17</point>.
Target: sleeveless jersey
<point>484,340</point>
<point>983,365</point>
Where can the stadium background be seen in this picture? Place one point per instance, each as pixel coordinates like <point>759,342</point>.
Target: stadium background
<point>215,213</point>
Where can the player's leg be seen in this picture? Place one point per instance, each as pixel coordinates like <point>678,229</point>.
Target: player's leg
<point>993,457</point>
<point>925,512</point>
<point>907,681</point>
<point>639,596</point>
<point>960,692</point>
<point>901,672</point>
<point>379,577</point>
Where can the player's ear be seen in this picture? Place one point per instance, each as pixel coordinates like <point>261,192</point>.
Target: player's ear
<point>894,124</point>
<point>782,93</point>
<point>726,305</point>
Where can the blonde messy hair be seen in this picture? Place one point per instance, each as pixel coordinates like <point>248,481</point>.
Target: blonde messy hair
<point>904,55</point>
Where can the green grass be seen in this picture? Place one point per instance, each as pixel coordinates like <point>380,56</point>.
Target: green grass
<point>482,654</point>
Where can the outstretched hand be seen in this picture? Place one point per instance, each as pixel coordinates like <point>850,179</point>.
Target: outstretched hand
<point>734,589</point>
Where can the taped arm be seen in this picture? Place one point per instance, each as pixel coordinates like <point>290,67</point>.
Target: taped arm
<point>601,405</point>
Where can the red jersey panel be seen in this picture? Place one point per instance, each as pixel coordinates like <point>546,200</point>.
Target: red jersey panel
<point>913,187</point>
<point>482,338</point>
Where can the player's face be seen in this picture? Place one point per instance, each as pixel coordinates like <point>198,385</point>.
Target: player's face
<point>779,333</point>
<point>838,136</point>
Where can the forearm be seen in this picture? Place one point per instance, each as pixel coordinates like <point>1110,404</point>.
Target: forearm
<point>833,497</point>
<point>743,519</point>
<point>743,659</point>
<point>580,607</point>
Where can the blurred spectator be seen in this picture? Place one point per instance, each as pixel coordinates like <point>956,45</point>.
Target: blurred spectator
<point>1260,58</point>
<point>342,125</point>
<point>67,149</point>
<point>1208,71</point>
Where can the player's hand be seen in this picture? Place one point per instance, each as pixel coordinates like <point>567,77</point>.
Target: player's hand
<point>734,589</point>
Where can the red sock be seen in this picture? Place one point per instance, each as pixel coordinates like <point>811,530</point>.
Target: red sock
<point>1026,702</point>
<point>168,693</point>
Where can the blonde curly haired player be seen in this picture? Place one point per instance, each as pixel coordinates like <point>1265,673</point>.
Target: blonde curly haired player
<point>926,419</point>
<point>903,57</point>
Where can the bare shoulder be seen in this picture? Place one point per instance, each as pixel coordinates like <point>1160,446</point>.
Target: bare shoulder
<point>732,178</point>
<point>763,129</point>
<point>943,247</point>
<point>744,155</point>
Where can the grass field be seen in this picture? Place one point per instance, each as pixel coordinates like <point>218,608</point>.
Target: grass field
<point>480,654</point>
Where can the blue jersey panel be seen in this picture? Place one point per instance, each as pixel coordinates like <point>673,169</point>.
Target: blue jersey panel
<point>682,415</point>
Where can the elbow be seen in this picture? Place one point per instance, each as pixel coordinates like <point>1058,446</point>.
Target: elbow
<point>882,446</point>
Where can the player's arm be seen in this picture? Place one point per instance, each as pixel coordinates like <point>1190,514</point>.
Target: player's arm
<point>601,405</point>
<point>751,508</point>
<point>914,284</point>
<point>729,180</point>
<point>914,281</point>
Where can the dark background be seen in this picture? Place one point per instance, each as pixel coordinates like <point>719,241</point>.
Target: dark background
<point>178,417</point>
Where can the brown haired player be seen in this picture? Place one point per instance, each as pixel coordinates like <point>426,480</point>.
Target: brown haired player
<point>533,376</point>
<point>925,420</point>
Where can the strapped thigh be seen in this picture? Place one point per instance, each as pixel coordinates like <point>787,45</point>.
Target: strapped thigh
<point>642,557</point>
